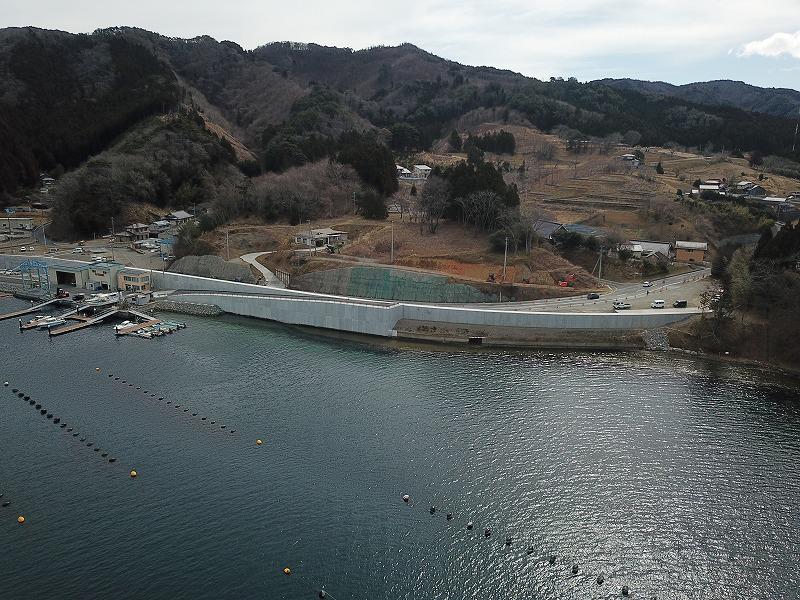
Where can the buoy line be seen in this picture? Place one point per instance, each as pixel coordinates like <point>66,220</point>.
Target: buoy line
<point>150,394</point>
<point>62,424</point>
<point>551,559</point>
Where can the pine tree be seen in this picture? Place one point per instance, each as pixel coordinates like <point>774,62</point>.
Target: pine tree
<point>455,141</point>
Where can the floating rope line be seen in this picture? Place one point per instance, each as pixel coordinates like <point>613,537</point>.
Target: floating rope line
<point>62,424</point>
<point>551,559</point>
<point>147,393</point>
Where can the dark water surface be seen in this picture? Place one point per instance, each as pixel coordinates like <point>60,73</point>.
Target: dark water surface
<point>678,478</point>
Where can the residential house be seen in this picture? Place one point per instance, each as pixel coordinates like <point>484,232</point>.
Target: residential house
<point>46,183</point>
<point>664,248</point>
<point>655,257</point>
<point>635,250</point>
<point>158,227</point>
<point>318,238</point>
<point>547,229</point>
<point>584,230</point>
<point>402,172</point>
<point>422,171</point>
<point>717,188</point>
<point>137,232</point>
<point>630,159</point>
<point>15,224</point>
<point>782,207</point>
<point>690,251</point>
<point>130,280</point>
<point>178,217</point>
<point>756,191</point>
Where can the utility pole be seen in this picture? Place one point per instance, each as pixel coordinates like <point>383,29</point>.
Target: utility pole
<point>505,259</point>
<point>600,272</point>
<point>227,243</point>
<point>112,227</point>
<point>392,252</point>
<point>796,129</point>
<point>354,203</point>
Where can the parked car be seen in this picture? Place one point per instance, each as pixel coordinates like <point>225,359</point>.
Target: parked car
<point>647,284</point>
<point>680,304</point>
<point>78,297</point>
<point>77,250</point>
<point>620,305</point>
<point>31,249</point>
<point>657,304</point>
<point>22,248</point>
<point>593,296</point>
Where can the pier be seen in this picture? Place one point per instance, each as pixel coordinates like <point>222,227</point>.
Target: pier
<point>82,323</point>
<point>29,310</point>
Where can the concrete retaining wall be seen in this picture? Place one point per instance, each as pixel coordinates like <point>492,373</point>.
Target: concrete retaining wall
<point>381,320</point>
<point>371,317</point>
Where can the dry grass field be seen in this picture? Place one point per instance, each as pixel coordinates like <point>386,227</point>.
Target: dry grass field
<point>595,189</point>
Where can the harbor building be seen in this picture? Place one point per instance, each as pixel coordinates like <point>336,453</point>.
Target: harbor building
<point>75,276</point>
<point>130,280</point>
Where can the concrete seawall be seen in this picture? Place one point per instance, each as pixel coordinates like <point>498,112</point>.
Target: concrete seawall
<point>376,317</point>
<point>382,320</point>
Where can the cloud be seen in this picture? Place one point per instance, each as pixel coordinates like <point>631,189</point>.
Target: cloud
<point>778,44</point>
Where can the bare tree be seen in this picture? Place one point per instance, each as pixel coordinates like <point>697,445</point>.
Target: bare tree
<point>432,201</point>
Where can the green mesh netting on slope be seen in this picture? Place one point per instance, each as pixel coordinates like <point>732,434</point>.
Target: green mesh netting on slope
<point>389,284</point>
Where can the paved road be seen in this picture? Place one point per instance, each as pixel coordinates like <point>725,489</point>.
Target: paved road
<point>270,280</point>
<point>687,286</point>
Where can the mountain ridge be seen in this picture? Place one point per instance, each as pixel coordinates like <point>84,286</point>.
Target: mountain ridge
<point>783,102</point>
<point>65,97</point>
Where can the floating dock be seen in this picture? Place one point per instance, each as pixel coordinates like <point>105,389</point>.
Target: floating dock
<point>82,323</point>
<point>30,309</point>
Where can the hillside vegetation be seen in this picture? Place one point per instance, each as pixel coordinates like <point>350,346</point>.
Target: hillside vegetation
<point>780,102</point>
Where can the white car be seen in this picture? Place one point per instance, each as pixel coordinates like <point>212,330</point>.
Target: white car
<point>620,305</point>
<point>77,250</point>
<point>657,304</point>
<point>22,248</point>
<point>647,284</point>
<point>31,249</point>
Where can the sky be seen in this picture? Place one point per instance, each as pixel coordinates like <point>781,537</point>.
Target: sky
<point>678,41</point>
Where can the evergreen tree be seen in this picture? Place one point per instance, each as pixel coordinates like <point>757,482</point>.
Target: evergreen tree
<point>455,141</point>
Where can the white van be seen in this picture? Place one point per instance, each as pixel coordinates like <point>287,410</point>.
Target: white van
<point>657,304</point>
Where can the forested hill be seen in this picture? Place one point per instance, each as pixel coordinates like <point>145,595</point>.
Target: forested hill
<point>65,97</point>
<point>780,102</point>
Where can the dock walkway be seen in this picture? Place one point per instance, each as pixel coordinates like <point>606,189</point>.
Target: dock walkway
<point>137,327</point>
<point>81,324</point>
<point>30,309</point>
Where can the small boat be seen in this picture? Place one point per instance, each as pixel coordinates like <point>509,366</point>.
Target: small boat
<point>48,322</point>
<point>51,322</point>
<point>122,325</point>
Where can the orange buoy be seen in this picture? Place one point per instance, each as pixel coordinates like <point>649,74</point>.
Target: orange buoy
<point>259,442</point>
<point>20,519</point>
<point>287,571</point>
<point>134,473</point>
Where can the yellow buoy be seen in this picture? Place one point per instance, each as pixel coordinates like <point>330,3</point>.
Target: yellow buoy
<point>20,519</point>
<point>97,368</point>
<point>134,473</point>
<point>287,571</point>
<point>259,442</point>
